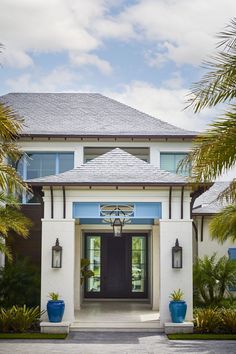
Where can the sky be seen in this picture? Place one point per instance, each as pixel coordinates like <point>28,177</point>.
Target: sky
<point>144,53</point>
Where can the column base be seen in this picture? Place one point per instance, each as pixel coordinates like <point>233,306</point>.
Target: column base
<point>185,327</point>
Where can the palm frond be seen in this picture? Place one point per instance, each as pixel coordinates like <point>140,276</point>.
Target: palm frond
<point>9,199</point>
<point>218,84</point>
<point>223,225</point>
<point>214,151</point>
<point>13,219</point>
<point>10,122</point>
<point>228,36</point>
<point>9,150</point>
<point>229,194</point>
<point>10,180</point>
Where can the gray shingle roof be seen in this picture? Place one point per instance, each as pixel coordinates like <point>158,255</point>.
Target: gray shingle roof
<point>207,203</point>
<point>85,114</point>
<point>115,167</point>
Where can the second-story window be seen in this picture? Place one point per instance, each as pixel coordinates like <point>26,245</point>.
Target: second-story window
<point>40,164</point>
<point>169,161</point>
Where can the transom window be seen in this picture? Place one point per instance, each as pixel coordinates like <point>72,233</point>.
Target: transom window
<point>92,152</point>
<point>169,161</point>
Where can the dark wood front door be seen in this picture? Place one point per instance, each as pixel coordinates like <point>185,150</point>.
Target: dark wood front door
<point>119,265</point>
<point>115,265</point>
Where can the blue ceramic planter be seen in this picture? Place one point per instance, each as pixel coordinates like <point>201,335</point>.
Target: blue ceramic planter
<point>55,310</point>
<point>178,311</point>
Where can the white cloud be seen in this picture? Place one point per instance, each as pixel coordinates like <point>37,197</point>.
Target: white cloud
<point>80,59</point>
<point>58,79</point>
<point>15,58</point>
<point>185,28</point>
<point>178,30</point>
<point>50,26</point>
<point>164,103</point>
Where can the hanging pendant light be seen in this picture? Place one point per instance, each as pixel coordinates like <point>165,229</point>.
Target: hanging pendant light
<point>117,227</point>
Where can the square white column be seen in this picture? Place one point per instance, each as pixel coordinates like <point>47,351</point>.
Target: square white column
<point>174,279</point>
<point>58,280</point>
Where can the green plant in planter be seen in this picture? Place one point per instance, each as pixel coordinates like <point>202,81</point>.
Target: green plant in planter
<point>177,295</point>
<point>177,306</point>
<point>55,308</point>
<point>85,272</point>
<point>53,296</point>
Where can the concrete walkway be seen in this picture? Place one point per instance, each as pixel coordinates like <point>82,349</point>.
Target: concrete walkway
<point>112,343</point>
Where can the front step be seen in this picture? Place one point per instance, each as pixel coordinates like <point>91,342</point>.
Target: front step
<point>153,326</point>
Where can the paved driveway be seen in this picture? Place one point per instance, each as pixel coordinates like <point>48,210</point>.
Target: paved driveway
<point>112,343</point>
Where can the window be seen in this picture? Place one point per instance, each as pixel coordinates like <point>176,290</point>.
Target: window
<point>92,152</point>
<point>139,264</point>
<point>40,164</point>
<point>170,161</point>
<point>93,253</point>
<point>34,165</point>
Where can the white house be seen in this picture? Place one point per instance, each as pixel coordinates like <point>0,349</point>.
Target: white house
<point>92,161</point>
<point>206,206</point>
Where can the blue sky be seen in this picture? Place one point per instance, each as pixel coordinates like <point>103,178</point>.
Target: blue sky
<point>145,53</point>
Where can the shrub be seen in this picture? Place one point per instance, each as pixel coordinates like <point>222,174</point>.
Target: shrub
<point>207,320</point>
<point>228,317</point>
<point>19,318</point>
<point>5,320</point>
<point>19,284</point>
<point>211,278</point>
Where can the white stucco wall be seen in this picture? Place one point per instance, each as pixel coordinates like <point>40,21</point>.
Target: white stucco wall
<point>208,246</point>
<point>174,279</point>
<point>111,194</point>
<point>58,280</point>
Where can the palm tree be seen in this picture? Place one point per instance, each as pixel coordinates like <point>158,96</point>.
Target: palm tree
<point>223,226</point>
<point>211,278</point>
<point>214,151</point>
<point>10,181</point>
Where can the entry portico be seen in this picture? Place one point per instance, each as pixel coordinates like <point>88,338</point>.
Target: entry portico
<point>138,265</point>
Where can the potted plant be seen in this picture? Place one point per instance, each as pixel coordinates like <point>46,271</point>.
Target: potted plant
<point>85,272</point>
<point>55,308</point>
<point>177,306</point>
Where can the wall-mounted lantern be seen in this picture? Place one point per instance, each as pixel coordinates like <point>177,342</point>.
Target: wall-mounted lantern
<point>177,255</point>
<point>117,227</point>
<point>56,255</point>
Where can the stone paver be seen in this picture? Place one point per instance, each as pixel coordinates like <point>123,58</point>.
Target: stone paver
<point>113,343</point>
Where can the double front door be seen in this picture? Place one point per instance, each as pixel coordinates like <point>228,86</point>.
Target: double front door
<point>119,265</point>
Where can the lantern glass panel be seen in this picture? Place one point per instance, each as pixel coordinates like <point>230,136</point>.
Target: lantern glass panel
<point>177,259</point>
<point>117,230</point>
